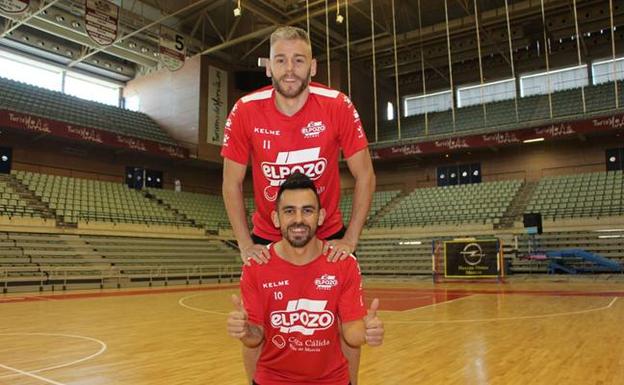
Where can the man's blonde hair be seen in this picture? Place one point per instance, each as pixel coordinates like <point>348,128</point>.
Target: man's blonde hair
<point>290,33</point>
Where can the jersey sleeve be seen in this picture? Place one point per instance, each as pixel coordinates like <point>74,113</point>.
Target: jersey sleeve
<point>351,302</point>
<point>235,136</point>
<point>351,133</point>
<point>251,296</point>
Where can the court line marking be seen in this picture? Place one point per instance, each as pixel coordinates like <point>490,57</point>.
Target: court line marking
<point>193,308</point>
<point>562,314</point>
<point>29,374</point>
<point>437,303</point>
<point>103,348</point>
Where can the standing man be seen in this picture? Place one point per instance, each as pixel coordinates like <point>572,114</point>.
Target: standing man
<point>295,125</point>
<point>294,305</point>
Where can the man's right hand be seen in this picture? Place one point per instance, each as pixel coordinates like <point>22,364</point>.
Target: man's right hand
<point>237,325</point>
<point>259,253</point>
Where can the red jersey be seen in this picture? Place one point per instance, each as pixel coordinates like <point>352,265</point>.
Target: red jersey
<point>279,145</point>
<point>300,308</point>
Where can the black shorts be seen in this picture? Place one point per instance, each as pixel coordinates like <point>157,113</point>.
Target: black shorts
<point>262,241</point>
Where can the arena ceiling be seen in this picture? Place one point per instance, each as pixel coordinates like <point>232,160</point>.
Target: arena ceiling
<point>55,29</point>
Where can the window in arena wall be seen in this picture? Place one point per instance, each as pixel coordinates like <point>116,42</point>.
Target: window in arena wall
<point>486,93</point>
<point>390,111</point>
<point>603,70</point>
<point>418,105</point>
<point>555,80</point>
<point>92,89</point>
<point>133,103</point>
<point>29,71</point>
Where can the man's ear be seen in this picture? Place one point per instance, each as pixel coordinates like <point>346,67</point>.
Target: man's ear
<point>321,218</point>
<point>275,219</point>
<point>313,68</point>
<point>267,68</point>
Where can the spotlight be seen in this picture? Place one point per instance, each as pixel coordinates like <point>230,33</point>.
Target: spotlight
<point>132,44</point>
<point>60,19</point>
<point>144,49</point>
<point>339,18</point>
<point>237,11</point>
<point>75,24</point>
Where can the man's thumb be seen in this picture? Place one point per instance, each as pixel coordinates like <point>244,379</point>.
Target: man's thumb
<point>238,303</point>
<point>372,310</point>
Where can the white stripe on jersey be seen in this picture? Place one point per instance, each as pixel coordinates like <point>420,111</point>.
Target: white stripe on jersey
<point>324,92</point>
<point>266,94</point>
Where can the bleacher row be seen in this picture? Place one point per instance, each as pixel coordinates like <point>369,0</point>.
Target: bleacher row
<point>55,259</point>
<point>497,116</point>
<point>24,98</point>
<point>71,199</point>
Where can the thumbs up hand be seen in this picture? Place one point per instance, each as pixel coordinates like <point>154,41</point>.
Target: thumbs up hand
<point>374,325</point>
<point>237,325</point>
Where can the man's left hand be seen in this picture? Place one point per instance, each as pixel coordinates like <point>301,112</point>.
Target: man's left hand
<point>374,326</point>
<point>338,249</point>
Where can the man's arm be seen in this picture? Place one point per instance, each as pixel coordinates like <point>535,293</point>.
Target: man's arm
<point>251,335</point>
<point>232,189</point>
<point>361,167</point>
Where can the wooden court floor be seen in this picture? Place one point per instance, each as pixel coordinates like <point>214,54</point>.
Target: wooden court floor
<point>512,333</point>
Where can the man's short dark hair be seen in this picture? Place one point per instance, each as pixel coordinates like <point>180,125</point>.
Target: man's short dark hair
<point>298,181</point>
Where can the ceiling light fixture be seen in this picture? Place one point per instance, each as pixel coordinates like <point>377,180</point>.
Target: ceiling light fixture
<point>238,10</point>
<point>339,17</point>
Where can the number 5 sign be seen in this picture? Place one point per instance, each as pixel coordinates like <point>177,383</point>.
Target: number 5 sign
<point>172,48</point>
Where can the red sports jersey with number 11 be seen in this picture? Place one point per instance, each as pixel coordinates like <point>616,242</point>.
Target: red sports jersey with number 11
<point>279,145</point>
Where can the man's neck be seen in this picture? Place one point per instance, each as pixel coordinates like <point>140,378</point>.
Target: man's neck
<point>290,106</point>
<point>299,255</point>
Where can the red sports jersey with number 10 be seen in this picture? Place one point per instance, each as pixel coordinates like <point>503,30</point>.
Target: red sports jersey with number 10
<point>301,308</point>
<point>279,145</point>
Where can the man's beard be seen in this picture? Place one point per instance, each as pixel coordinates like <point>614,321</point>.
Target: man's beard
<point>291,94</point>
<point>298,241</point>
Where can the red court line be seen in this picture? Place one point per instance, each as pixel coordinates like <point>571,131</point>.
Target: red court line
<point>389,301</point>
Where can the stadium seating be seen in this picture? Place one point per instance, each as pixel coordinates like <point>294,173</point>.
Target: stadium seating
<point>596,194</point>
<point>11,204</point>
<point>501,115</point>
<point>394,256</point>
<point>24,98</point>
<point>76,199</point>
<point>380,200</point>
<point>46,259</point>
<point>204,209</point>
<point>452,205</point>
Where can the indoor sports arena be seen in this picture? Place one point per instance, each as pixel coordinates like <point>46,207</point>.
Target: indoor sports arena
<point>466,156</point>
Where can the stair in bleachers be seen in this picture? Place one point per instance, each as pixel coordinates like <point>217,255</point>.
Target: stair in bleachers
<point>15,200</point>
<point>517,206</point>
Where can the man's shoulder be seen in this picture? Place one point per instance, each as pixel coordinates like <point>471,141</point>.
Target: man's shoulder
<point>325,93</point>
<point>258,95</point>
